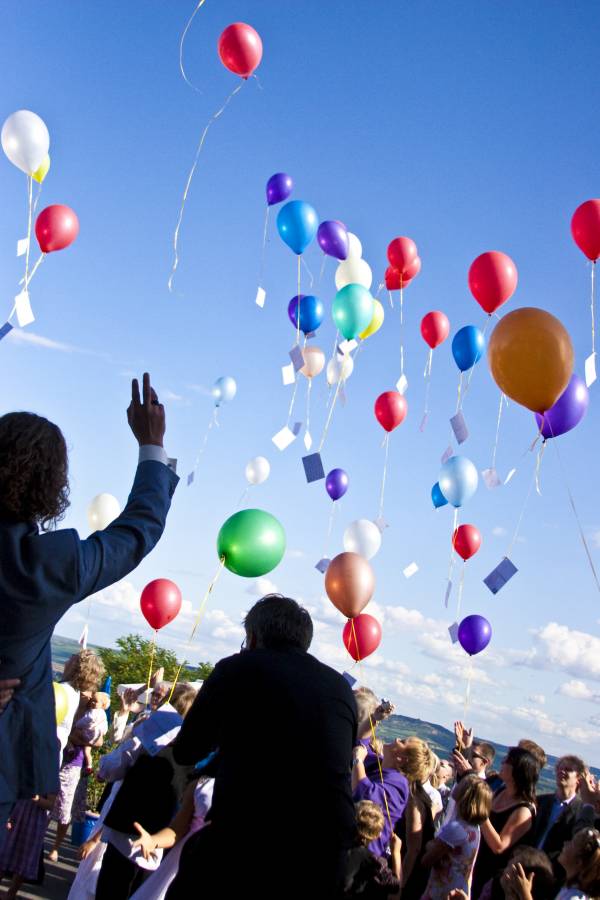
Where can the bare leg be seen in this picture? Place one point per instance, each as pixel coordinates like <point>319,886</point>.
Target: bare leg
<point>13,890</point>
<point>61,833</point>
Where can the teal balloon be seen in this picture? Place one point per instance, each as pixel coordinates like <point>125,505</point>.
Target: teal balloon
<point>251,543</point>
<point>352,310</point>
<point>297,224</point>
<point>458,480</point>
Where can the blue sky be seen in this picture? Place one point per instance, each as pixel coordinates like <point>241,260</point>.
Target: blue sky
<point>465,126</point>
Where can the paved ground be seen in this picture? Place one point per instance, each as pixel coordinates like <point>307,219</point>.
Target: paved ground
<point>59,875</point>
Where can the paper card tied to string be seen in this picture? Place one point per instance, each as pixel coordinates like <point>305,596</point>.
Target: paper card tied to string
<point>459,427</point>
<point>453,632</point>
<point>308,441</point>
<point>500,575</point>
<point>84,638</point>
<point>23,309</point>
<point>346,347</point>
<point>491,479</point>
<point>322,565</point>
<point>297,358</point>
<point>6,328</point>
<point>590,370</point>
<point>22,246</point>
<point>313,467</point>
<point>402,384</point>
<point>424,422</point>
<point>448,452</point>
<point>410,570</point>
<point>288,374</point>
<point>286,436</point>
<point>261,296</point>
<point>448,592</point>
<point>190,478</point>
<point>509,476</point>
<point>349,678</point>
<point>381,524</point>
<point>342,395</point>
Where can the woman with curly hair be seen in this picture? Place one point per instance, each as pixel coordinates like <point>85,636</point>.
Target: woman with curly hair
<point>45,571</point>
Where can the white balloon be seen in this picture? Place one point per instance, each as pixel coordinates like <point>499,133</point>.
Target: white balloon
<point>354,247</point>
<point>362,537</point>
<point>258,470</point>
<point>102,511</point>
<point>25,140</point>
<point>353,271</point>
<point>339,367</point>
<point>224,389</point>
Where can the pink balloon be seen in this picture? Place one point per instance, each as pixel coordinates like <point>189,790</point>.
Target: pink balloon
<point>56,227</point>
<point>160,602</point>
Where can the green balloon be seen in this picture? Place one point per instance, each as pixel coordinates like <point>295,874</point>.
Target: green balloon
<point>251,542</point>
<point>352,310</point>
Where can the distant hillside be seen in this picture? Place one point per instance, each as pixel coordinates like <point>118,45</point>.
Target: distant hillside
<point>439,738</point>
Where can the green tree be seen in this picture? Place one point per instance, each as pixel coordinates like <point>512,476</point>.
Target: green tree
<point>130,663</point>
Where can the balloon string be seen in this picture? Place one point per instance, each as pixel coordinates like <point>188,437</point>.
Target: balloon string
<point>329,528</point>
<point>472,369</point>
<point>321,273</point>
<point>538,465</point>
<point>29,217</point>
<point>495,449</point>
<point>391,299</point>
<point>468,690</point>
<point>593,307</point>
<point>575,513</point>
<point>152,649</point>
<point>427,377</point>
<point>459,396</point>
<point>298,306</point>
<point>520,519</point>
<point>461,585</point>
<point>214,421</point>
<point>181,42</point>
<point>264,247</point>
<point>308,390</point>
<point>379,289</point>
<point>401,332</point>
<point>189,182</point>
<point>310,274</point>
<point>37,197</point>
<point>294,392</point>
<point>451,563</point>
<point>243,495</point>
<point>373,735</point>
<point>38,263</point>
<point>197,622</point>
<point>386,444</point>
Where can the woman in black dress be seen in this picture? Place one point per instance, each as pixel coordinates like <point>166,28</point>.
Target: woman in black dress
<point>511,819</point>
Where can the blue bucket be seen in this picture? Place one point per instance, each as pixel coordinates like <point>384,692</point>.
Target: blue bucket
<point>81,831</point>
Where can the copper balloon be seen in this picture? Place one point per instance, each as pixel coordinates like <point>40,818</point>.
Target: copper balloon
<point>350,583</point>
<point>530,355</point>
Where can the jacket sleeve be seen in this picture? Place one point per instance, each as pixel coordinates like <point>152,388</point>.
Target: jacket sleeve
<point>107,556</point>
<point>200,733</point>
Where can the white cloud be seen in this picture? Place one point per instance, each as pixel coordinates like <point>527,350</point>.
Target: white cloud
<point>200,389</point>
<point>262,586</point>
<point>166,395</point>
<point>536,698</point>
<point>577,690</point>
<point>29,337</point>
<point>559,647</point>
<point>295,554</point>
<point>595,538</point>
<point>499,531</point>
<point>224,628</point>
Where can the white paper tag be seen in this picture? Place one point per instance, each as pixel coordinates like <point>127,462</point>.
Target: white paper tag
<point>22,246</point>
<point>509,476</point>
<point>346,347</point>
<point>84,638</point>
<point>491,478</point>
<point>590,370</point>
<point>261,295</point>
<point>402,384</point>
<point>23,309</point>
<point>288,374</point>
<point>410,570</point>
<point>323,565</point>
<point>283,438</point>
<point>459,427</point>
<point>308,441</point>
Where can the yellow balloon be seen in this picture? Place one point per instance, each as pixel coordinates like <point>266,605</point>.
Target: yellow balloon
<point>61,702</point>
<point>376,321</point>
<point>530,355</point>
<point>42,170</point>
<point>314,361</point>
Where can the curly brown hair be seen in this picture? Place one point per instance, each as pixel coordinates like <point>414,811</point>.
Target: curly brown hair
<point>34,485</point>
<point>84,671</point>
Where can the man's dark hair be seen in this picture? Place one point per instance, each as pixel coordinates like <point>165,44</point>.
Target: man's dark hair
<point>573,762</point>
<point>277,621</point>
<point>485,749</point>
<point>34,485</point>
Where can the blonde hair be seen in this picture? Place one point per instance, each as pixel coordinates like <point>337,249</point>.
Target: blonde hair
<point>369,821</point>
<point>104,698</point>
<point>417,761</point>
<point>473,800</point>
<point>183,697</point>
<point>367,704</point>
<point>84,671</point>
<point>434,778</point>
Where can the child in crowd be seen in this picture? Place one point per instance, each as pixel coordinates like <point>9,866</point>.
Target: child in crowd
<point>367,875</point>
<point>580,858</point>
<point>92,726</point>
<point>22,849</point>
<point>451,855</point>
<point>536,866</point>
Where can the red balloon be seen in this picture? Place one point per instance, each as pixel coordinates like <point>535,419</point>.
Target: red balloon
<point>492,279</point>
<point>585,228</point>
<point>402,252</point>
<point>56,227</point>
<point>466,540</point>
<point>435,328</point>
<point>411,271</point>
<point>240,49</point>
<point>361,636</point>
<point>392,279</point>
<point>390,409</point>
<point>160,602</point>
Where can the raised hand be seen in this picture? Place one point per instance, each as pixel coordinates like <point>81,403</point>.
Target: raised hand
<point>146,417</point>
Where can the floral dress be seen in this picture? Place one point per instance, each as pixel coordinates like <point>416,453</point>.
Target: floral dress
<point>455,870</point>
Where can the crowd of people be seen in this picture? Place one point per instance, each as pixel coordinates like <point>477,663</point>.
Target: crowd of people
<point>271,779</point>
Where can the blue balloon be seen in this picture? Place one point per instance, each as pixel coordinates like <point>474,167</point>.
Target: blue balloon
<point>458,480</point>
<point>437,497</point>
<point>311,312</point>
<point>467,347</point>
<point>297,223</point>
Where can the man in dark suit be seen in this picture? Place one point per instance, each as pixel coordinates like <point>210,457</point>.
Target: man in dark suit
<point>284,725</point>
<point>43,574</point>
<point>557,813</point>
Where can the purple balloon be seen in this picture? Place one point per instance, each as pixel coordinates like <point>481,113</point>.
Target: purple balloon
<point>474,634</point>
<point>336,483</point>
<point>333,239</point>
<point>567,412</point>
<point>279,188</point>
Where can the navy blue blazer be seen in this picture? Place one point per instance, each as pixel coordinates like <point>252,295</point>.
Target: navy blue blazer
<point>41,576</point>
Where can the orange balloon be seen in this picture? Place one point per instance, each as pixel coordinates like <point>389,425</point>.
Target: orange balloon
<point>314,361</point>
<point>350,583</point>
<point>530,355</point>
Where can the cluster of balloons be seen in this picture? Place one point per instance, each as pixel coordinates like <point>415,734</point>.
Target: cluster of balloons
<point>160,602</point>
<point>103,510</point>
<point>350,583</point>
<point>240,49</point>
<point>251,543</point>
<point>404,263</point>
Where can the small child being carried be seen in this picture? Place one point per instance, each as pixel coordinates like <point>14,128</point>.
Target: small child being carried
<point>92,726</point>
